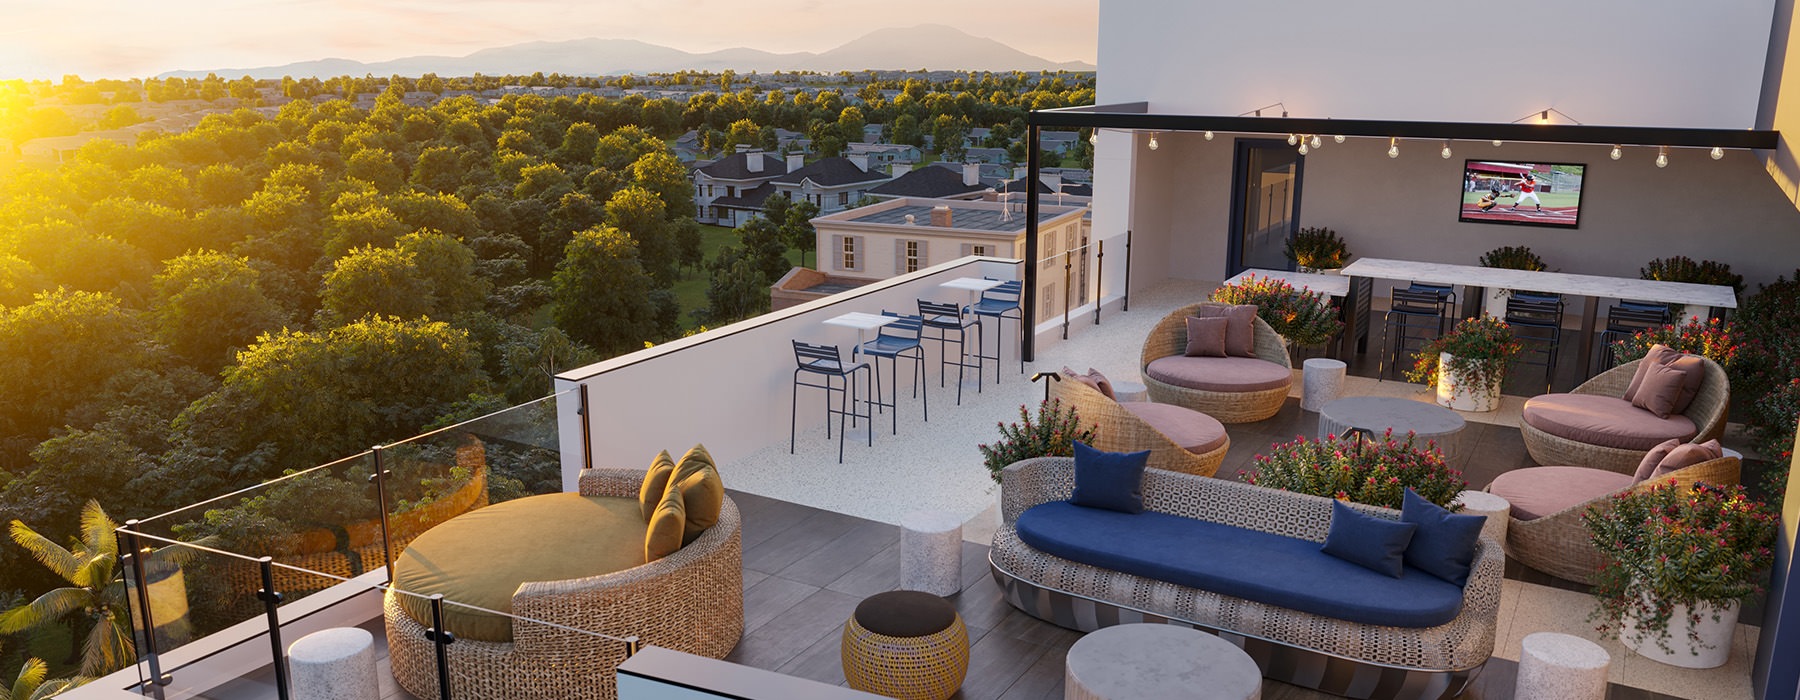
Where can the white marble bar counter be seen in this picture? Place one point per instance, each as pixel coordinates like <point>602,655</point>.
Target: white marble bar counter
<point>1334,286</point>
<point>1710,295</point>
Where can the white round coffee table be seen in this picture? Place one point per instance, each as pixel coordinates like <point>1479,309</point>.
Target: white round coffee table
<point>1144,661</point>
<point>1376,414</point>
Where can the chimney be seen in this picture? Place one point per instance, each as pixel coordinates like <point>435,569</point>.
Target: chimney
<point>753,161</point>
<point>795,161</point>
<point>898,169</point>
<point>971,174</point>
<point>861,162</point>
<point>1018,173</point>
<point>909,219</point>
<point>1052,182</point>
<point>940,216</point>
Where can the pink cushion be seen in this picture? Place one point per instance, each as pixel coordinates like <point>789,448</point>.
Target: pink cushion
<point>1194,431</point>
<point>1539,491</point>
<point>1206,337</point>
<point>1221,374</point>
<point>1093,379</point>
<point>1692,369</point>
<point>1604,421</point>
<point>1660,387</point>
<point>1688,455</point>
<point>1647,465</point>
<point>1240,329</point>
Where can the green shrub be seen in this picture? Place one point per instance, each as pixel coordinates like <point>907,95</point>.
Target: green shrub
<point>1372,471</point>
<point>1683,269</point>
<point>1303,317</point>
<point>1052,434</point>
<point>1512,258</point>
<point>1318,248</point>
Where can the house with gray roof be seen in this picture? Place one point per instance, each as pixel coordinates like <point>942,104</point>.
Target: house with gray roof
<point>726,191</point>
<point>831,183</point>
<point>933,183</point>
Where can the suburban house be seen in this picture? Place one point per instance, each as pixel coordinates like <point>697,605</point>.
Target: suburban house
<point>831,183</point>
<point>874,133</point>
<point>986,155</point>
<point>730,189</point>
<point>933,183</point>
<point>884,153</point>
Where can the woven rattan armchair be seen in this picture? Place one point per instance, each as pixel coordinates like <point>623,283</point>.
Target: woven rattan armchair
<point>1560,545</point>
<point>1169,338</point>
<point>1119,430</point>
<point>1707,411</point>
<point>690,601</point>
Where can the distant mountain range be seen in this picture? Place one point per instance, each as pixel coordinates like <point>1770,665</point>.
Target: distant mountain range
<point>927,46</point>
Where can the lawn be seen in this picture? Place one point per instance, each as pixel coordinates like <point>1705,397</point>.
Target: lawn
<point>690,289</point>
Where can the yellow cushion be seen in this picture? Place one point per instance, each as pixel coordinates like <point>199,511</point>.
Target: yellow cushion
<point>664,534</point>
<point>480,558</point>
<point>701,491</point>
<point>656,481</point>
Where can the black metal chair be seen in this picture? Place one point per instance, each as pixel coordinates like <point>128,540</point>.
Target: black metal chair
<point>1002,302</point>
<point>1537,318</point>
<point>1624,320</point>
<point>1409,311</point>
<point>894,341</point>
<point>825,362</point>
<point>944,319</point>
<point>1446,294</point>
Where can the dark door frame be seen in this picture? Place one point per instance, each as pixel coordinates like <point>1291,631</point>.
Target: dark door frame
<point>1234,237</point>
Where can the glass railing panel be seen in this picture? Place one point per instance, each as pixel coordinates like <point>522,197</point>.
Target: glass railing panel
<point>264,509</point>
<point>192,592</point>
<point>541,655</point>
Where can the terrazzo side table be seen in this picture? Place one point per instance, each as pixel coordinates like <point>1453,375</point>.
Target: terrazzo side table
<point>1129,391</point>
<point>334,664</point>
<point>1556,666</point>
<point>1498,511</point>
<point>1322,381</point>
<point>931,552</point>
<point>1158,661</point>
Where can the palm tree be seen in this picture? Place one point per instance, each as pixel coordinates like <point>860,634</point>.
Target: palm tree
<point>30,685</point>
<point>96,590</point>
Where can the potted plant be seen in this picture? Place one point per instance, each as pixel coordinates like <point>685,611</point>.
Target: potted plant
<point>1683,269</point>
<point>1300,316</point>
<point>1512,257</point>
<point>1376,471</point>
<point>1051,434</point>
<point>1467,364</point>
<point>1317,250</point>
<point>1677,565</point>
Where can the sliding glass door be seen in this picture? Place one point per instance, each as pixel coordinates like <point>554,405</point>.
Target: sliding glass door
<point>1265,203</point>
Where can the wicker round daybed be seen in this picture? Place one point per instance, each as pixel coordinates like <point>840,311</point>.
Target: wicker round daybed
<point>1707,411</point>
<point>1119,428</point>
<point>689,601</point>
<point>1169,339</point>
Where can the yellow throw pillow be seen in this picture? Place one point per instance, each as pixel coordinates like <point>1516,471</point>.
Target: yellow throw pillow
<point>664,536</point>
<point>701,490</point>
<point>656,481</point>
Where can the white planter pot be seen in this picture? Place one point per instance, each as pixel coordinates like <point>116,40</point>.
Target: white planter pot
<point>1453,391</point>
<point>1715,637</point>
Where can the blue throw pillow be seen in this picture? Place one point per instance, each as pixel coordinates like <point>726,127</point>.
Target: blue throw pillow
<point>1377,544</point>
<point>1444,545</point>
<point>1110,480</point>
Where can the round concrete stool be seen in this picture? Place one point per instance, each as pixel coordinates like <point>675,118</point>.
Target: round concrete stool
<point>1556,666</point>
<point>905,644</point>
<point>1497,510</point>
<point>1322,381</point>
<point>334,664</point>
<point>931,552</point>
<point>1151,661</point>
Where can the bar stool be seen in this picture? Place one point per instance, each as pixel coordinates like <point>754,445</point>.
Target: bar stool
<point>1626,319</point>
<point>1538,318</point>
<point>1410,311</point>
<point>894,341</point>
<point>946,318</point>
<point>1446,302</point>
<point>1001,303</point>
<point>825,362</point>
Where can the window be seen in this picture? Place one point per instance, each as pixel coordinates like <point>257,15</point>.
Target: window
<point>977,249</point>
<point>843,199</point>
<point>1049,250</point>
<point>710,192</point>
<point>730,191</point>
<point>847,250</point>
<point>911,256</point>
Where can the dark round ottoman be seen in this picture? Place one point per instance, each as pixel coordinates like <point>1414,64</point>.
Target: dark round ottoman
<point>909,645</point>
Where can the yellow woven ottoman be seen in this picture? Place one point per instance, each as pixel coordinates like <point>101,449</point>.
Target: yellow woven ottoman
<point>909,645</point>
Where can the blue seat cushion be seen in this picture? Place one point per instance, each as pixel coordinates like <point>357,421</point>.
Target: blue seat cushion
<point>1271,569</point>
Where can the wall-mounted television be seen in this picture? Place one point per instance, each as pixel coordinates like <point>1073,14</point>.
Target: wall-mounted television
<point>1525,194</point>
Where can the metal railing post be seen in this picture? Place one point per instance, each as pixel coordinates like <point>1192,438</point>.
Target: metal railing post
<point>587,431</point>
<point>270,600</point>
<point>128,541</point>
<point>1126,304</point>
<point>1068,279</point>
<point>380,478</point>
<point>440,638</point>
<point>1099,277</point>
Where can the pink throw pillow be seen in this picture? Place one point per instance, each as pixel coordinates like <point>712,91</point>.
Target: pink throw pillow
<point>1206,337</point>
<point>1652,458</point>
<point>1240,330</point>
<point>1659,390</point>
<point>1688,455</point>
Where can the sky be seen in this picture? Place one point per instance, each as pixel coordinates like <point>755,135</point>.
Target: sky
<point>95,39</point>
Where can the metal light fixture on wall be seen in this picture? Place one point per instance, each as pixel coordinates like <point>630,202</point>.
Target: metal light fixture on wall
<point>1393,147</point>
<point>1662,156</point>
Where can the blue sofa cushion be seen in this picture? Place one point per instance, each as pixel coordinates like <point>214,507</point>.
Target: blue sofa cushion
<point>1110,480</point>
<point>1259,566</point>
<point>1444,545</point>
<point>1375,543</point>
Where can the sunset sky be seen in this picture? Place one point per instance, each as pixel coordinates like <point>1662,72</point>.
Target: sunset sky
<point>132,39</point>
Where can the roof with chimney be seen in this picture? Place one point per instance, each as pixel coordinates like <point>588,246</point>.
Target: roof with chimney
<point>928,182</point>
<point>1019,187</point>
<point>830,172</point>
<point>966,218</point>
<point>736,167</point>
<point>748,198</point>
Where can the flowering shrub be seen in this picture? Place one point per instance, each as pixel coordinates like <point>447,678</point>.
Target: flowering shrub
<point>1301,316</point>
<point>1769,323</point>
<point>1479,348</point>
<point>1052,434</point>
<point>1683,269</point>
<point>1318,248</point>
<point>1671,546</point>
<point>1512,258</point>
<point>1715,339</point>
<point>1372,471</point>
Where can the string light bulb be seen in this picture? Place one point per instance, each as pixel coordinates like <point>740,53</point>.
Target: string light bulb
<point>1662,156</point>
<point>1338,138</point>
<point>1617,152</point>
<point>1153,144</point>
<point>1303,148</point>
<point>1293,139</point>
<point>1094,138</point>
<point>1316,142</point>
<point>1393,147</point>
<point>1208,134</point>
<point>1717,153</point>
<point>1498,143</point>
<point>1446,152</point>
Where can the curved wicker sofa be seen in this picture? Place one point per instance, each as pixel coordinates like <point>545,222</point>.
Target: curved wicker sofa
<point>1707,411</point>
<point>1560,545</point>
<point>1117,429</point>
<point>1169,339</point>
<point>690,601</point>
<point>1334,656</point>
